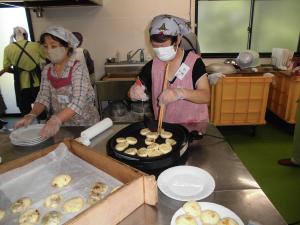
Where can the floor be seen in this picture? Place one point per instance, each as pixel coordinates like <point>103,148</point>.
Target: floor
<point>260,154</point>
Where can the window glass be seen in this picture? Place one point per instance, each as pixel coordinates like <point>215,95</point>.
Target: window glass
<point>276,24</point>
<point>222,25</point>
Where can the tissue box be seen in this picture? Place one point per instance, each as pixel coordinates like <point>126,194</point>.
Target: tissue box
<point>138,188</point>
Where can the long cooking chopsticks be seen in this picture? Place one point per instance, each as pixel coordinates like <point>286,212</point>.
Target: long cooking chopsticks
<point>162,107</point>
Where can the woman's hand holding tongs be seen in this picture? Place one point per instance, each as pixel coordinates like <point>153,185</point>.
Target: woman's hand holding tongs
<point>170,95</point>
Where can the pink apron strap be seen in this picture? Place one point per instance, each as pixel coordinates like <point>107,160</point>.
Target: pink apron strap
<point>60,82</point>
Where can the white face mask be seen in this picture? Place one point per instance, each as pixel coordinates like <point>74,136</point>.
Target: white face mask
<point>165,53</point>
<point>56,55</point>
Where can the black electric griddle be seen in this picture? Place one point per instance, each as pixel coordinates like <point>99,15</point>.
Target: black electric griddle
<point>180,134</point>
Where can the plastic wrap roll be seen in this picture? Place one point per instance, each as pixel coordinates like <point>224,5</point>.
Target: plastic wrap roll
<point>96,129</point>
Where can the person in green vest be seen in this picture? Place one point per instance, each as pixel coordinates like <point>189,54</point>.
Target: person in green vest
<point>23,58</point>
<point>294,161</point>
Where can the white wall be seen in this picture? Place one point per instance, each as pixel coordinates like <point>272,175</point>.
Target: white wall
<point>118,25</point>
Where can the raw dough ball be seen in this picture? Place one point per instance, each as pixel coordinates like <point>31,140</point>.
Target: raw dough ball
<point>99,188</point>
<point>153,146</point>
<point>120,140</point>
<point>31,216</point>
<point>51,218</point>
<point>210,217</point>
<point>61,180</point>
<point>20,205</point>
<point>131,151</point>
<point>73,205</point>
<point>170,141</point>
<point>192,208</point>
<point>149,141</point>
<point>185,219</point>
<point>94,198</point>
<point>152,135</point>
<point>142,152</point>
<point>144,131</point>
<point>121,146</point>
<point>227,221</point>
<point>131,140</point>
<point>2,214</point>
<point>166,134</point>
<point>52,201</point>
<point>165,148</point>
<point>154,152</point>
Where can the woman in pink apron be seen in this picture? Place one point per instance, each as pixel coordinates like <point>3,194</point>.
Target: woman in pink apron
<point>65,87</point>
<point>187,93</point>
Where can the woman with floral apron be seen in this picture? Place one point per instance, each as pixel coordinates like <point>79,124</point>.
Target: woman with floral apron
<point>65,88</point>
<point>187,93</point>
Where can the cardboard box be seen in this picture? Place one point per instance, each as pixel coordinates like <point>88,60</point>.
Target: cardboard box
<point>139,188</point>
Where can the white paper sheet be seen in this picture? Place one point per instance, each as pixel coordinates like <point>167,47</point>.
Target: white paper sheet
<point>34,181</point>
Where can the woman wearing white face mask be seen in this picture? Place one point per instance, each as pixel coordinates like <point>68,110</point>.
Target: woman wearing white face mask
<point>65,86</point>
<point>187,92</point>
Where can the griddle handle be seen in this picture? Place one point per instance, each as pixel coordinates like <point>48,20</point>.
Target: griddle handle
<point>194,135</point>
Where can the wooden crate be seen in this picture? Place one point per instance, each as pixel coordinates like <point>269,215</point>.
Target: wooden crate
<point>284,93</point>
<point>239,100</point>
<point>138,188</point>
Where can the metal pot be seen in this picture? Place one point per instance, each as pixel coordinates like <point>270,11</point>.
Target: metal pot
<point>118,108</point>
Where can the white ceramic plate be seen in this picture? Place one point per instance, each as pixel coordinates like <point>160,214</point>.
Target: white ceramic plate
<point>22,143</point>
<point>186,183</point>
<point>221,210</point>
<point>27,136</point>
<point>27,133</point>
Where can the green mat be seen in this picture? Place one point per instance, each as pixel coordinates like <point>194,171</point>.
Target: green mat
<point>260,154</point>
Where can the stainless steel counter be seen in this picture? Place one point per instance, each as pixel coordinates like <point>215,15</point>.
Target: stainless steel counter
<point>235,188</point>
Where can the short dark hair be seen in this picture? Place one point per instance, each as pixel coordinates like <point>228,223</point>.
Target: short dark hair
<point>162,38</point>
<point>62,42</point>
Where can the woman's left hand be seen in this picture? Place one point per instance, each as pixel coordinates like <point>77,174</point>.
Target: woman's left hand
<point>170,95</point>
<point>51,127</point>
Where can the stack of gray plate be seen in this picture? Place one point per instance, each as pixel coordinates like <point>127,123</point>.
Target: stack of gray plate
<point>27,136</point>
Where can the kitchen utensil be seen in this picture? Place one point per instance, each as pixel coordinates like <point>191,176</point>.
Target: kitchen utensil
<point>220,68</point>
<point>151,123</point>
<point>118,108</point>
<point>162,107</point>
<point>180,134</point>
<point>110,60</point>
<point>232,62</point>
<point>186,183</point>
<point>248,58</point>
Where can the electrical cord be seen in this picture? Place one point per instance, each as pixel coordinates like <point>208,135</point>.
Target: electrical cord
<point>210,135</point>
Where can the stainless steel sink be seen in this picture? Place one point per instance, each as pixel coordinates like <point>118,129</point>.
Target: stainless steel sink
<point>123,67</point>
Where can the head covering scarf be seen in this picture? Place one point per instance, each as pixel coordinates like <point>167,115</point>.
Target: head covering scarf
<point>63,34</point>
<point>169,25</point>
<point>18,34</point>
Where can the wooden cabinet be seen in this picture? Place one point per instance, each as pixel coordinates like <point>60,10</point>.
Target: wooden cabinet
<point>239,99</point>
<point>283,97</point>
